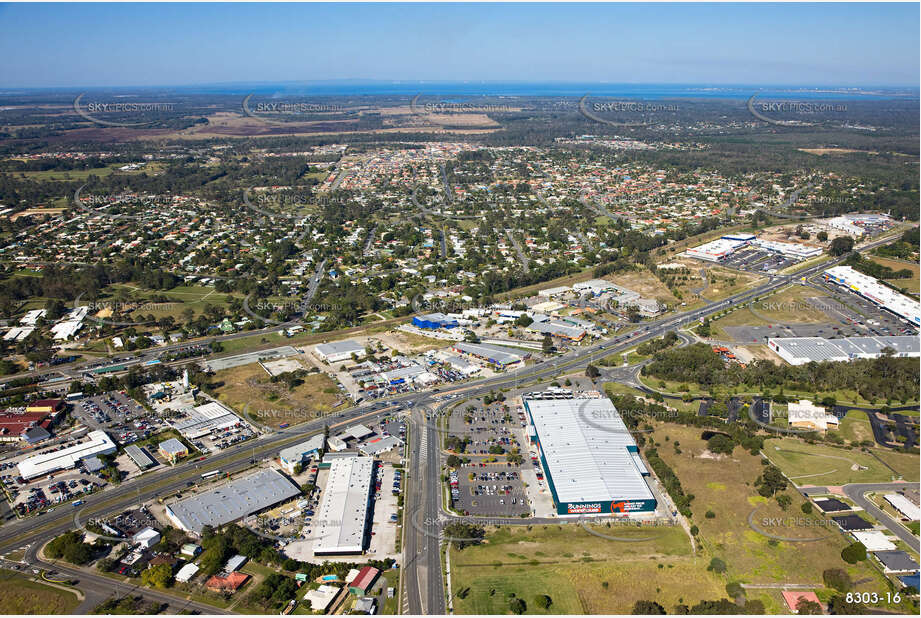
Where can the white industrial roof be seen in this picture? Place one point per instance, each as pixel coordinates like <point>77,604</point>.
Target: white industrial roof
<point>593,284</point>
<point>233,500</point>
<point>880,294</point>
<point>335,348</point>
<point>98,443</point>
<point>343,512</point>
<point>358,431</point>
<point>586,445</point>
<point>204,419</point>
<point>799,350</point>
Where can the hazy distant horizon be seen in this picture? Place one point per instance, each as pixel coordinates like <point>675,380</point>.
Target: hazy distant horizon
<point>493,88</point>
<point>179,44</point>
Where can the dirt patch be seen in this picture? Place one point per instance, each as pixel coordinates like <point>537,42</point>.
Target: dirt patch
<point>833,151</point>
<point>644,283</point>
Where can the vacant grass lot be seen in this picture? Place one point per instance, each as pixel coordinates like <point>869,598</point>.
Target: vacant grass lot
<point>819,464</point>
<point>581,572</point>
<point>725,282</point>
<point>101,172</point>
<point>273,404</point>
<point>21,595</point>
<point>855,427</point>
<point>725,487</point>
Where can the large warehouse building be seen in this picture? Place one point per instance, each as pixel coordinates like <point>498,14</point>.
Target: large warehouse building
<point>877,293</point>
<point>232,501</point>
<point>342,521</point>
<point>592,463</point>
<point>97,443</point>
<point>719,249</point>
<point>202,420</point>
<point>338,351</point>
<point>495,354</point>
<point>434,321</point>
<point>802,350</point>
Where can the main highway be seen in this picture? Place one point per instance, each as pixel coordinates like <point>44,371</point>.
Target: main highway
<point>421,553</point>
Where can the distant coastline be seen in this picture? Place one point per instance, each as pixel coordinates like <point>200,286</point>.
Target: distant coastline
<point>509,90</point>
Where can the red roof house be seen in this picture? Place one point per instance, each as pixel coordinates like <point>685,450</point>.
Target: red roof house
<point>231,582</point>
<point>793,597</point>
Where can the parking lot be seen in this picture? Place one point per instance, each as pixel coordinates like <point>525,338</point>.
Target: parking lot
<point>489,489</point>
<point>47,493</point>
<point>849,315</point>
<point>864,315</point>
<point>488,428</point>
<point>119,414</point>
<point>220,439</point>
<point>758,260</point>
<point>489,484</point>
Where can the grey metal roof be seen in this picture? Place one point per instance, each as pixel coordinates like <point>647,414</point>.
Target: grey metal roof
<point>173,446</point>
<point>138,456</point>
<point>555,328</point>
<point>896,560</point>
<point>483,350</point>
<point>378,446</point>
<point>814,348</point>
<point>233,500</point>
<point>333,348</point>
<point>297,452</point>
<point>820,349</point>
<point>587,448</point>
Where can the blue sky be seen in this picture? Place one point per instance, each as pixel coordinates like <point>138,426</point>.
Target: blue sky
<point>86,45</point>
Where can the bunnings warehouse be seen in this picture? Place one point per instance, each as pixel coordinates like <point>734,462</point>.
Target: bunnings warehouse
<point>592,464</point>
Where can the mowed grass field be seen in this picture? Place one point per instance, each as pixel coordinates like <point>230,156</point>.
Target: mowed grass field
<point>151,169</point>
<point>790,306</point>
<point>580,571</point>
<point>725,486</point>
<point>273,404</point>
<point>819,464</point>
<point>855,427</point>
<point>21,595</point>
